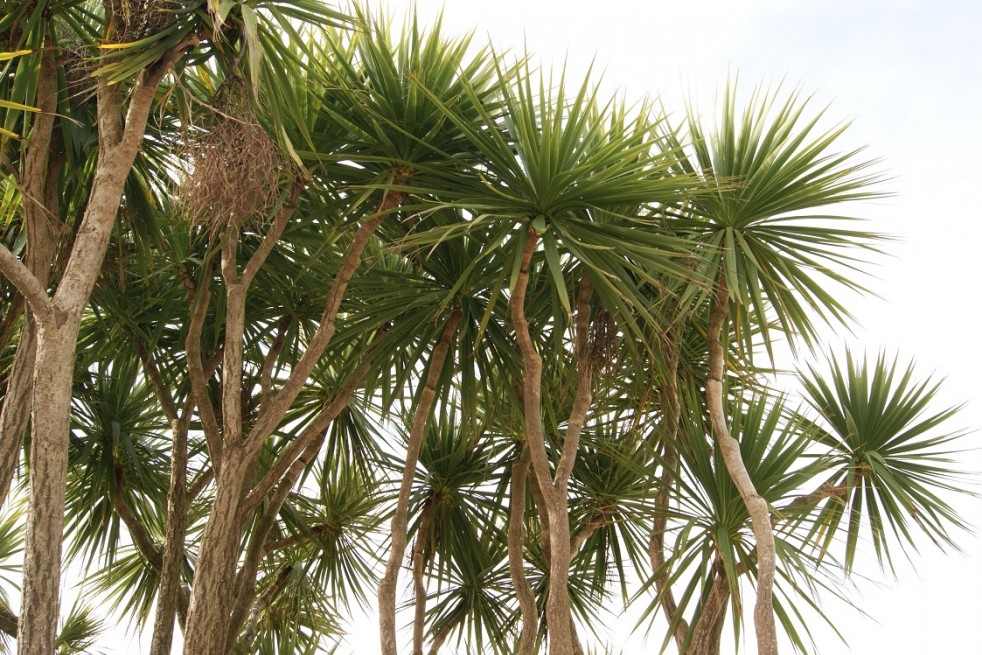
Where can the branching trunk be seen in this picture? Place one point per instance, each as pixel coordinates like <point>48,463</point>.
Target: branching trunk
<point>562,640</point>
<point>259,544</point>
<point>400,520</point>
<point>214,589</point>
<point>516,548</point>
<point>43,228</point>
<point>730,449</point>
<point>119,143</point>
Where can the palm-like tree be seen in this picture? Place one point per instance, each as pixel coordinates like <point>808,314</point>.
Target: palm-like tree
<point>466,309</point>
<point>769,255</point>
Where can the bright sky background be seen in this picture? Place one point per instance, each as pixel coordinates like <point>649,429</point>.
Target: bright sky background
<point>907,74</point>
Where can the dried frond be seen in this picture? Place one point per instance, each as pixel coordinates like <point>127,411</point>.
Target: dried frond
<point>233,168</point>
<point>604,342</point>
<point>130,20</point>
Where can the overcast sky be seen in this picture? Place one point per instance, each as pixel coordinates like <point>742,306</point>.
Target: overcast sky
<point>908,75</point>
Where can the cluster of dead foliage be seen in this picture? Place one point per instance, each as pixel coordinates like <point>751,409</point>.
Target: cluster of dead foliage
<point>232,168</point>
<point>131,20</point>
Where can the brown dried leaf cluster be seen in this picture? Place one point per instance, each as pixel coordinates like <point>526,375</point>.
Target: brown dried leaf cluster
<point>130,20</point>
<point>232,169</point>
<point>604,343</point>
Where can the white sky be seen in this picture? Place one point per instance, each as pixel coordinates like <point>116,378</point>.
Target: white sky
<point>908,74</point>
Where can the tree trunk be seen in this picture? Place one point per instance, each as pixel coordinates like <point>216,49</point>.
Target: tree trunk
<point>43,230</point>
<point>51,402</point>
<point>562,638</point>
<point>400,520</point>
<point>709,626</point>
<point>169,594</point>
<point>214,574</point>
<point>49,468</point>
<point>516,559</point>
<point>730,449</point>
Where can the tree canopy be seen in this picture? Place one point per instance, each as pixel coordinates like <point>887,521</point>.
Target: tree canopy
<point>308,313</point>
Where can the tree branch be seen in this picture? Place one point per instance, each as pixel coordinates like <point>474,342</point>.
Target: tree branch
<point>581,402</point>
<point>138,532</point>
<point>196,369</point>
<point>269,362</point>
<point>27,285</point>
<point>730,449</point>
<point>272,236</point>
<point>281,401</point>
<point>400,520</point>
<point>287,462</point>
<point>516,550</point>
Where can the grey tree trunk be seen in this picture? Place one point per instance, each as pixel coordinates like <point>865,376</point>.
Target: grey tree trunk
<point>52,397</point>
<point>400,520</point>
<point>43,230</point>
<point>760,515</point>
<point>58,320</point>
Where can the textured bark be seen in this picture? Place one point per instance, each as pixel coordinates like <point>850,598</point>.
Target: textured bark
<point>562,639</point>
<point>730,449</point>
<point>49,467</point>
<point>211,594</point>
<point>43,229</point>
<point>708,630</point>
<point>214,591</point>
<point>420,557</point>
<point>171,600</point>
<point>516,548</point>
<point>119,143</point>
<point>400,520</point>
<point>170,596</point>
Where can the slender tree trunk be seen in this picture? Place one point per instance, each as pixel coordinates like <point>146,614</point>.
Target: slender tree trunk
<point>420,558</point>
<point>516,559</point>
<point>49,467</point>
<point>562,638</point>
<point>730,449</point>
<point>169,594</point>
<point>214,575</point>
<point>43,230</point>
<point>400,520</point>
